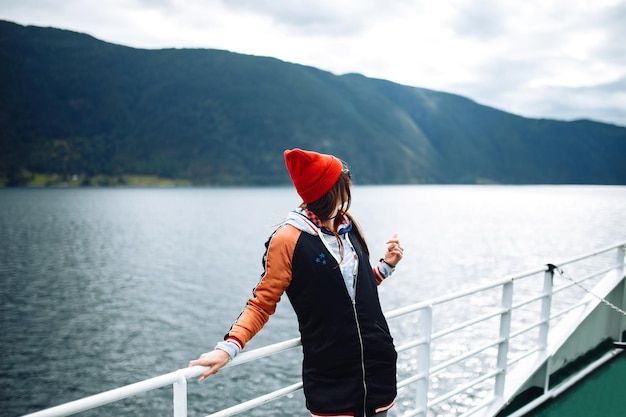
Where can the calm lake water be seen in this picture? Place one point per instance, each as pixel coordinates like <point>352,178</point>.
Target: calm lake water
<point>104,287</point>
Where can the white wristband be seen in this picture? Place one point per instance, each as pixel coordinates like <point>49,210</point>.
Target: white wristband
<point>230,348</point>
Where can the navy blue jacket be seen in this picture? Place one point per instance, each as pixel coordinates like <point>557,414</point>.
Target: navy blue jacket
<point>349,359</point>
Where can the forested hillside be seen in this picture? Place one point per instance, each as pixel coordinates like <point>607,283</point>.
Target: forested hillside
<point>73,106</point>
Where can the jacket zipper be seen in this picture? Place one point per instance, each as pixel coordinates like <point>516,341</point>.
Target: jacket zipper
<point>358,329</point>
<point>356,318</point>
<point>355,275</point>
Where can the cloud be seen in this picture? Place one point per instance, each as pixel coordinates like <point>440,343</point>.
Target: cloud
<point>322,18</point>
<point>613,19</point>
<point>559,60</point>
<point>481,21</point>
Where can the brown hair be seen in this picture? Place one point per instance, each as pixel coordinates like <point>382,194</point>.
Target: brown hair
<point>324,207</point>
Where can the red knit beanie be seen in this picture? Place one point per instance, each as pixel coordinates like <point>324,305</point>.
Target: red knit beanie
<point>313,174</point>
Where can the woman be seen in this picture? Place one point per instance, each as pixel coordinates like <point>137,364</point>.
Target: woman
<point>319,257</point>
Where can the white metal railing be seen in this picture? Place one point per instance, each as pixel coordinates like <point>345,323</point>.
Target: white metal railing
<point>433,358</point>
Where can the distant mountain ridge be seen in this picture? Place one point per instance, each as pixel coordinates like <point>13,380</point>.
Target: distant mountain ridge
<point>74,105</point>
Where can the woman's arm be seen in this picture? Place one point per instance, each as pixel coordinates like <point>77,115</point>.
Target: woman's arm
<point>274,281</point>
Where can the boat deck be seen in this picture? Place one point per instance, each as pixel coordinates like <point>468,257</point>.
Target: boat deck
<point>600,394</point>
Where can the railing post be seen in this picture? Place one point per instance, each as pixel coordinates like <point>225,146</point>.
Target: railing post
<point>546,304</point>
<point>505,331</point>
<point>544,328</point>
<point>180,396</point>
<point>621,254</point>
<point>423,360</point>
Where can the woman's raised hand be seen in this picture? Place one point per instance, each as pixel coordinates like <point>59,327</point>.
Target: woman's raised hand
<point>394,251</point>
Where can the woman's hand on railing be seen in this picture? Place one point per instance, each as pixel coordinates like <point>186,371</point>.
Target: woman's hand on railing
<point>214,360</point>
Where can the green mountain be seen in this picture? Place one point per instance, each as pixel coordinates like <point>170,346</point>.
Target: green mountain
<point>72,105</point>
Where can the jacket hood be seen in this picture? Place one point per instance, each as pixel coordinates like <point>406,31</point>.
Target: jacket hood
<point>298,219</point>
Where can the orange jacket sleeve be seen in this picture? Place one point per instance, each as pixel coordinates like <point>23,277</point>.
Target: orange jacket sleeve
<point>274,281</point>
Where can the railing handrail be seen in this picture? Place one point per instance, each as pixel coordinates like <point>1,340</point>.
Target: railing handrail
<point>117,394</point>
<point>179,377</point>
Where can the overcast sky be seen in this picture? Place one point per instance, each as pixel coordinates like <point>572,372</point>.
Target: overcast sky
<point>558,59</point>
